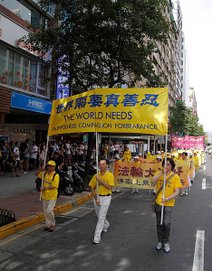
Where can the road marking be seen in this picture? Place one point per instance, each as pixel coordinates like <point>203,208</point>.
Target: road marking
<point>198,263</point>
<point>204,167</point>
<point>204,183</point>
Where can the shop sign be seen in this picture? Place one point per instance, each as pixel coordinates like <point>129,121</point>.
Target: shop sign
<point>22,131</point>
<point>29,103</point>
<point>28,47</point>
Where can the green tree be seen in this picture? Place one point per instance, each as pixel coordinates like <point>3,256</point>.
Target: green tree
<point>183,121</point>
<point>105,42</point>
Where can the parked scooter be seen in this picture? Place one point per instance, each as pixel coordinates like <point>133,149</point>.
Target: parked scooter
<point>80,168</point>
<point>78,181</point>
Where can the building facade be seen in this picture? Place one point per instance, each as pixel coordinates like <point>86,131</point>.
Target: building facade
<point>24,89</point>
<point>192,102</point>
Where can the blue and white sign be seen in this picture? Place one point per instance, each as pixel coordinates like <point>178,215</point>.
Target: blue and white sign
<point>29,103</point>
<point>62,79</point>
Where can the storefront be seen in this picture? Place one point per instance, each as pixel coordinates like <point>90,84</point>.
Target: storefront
<point>24,74</point>
<point>28,118</point>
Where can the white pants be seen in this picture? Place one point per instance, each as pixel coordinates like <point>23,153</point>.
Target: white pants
<point>101,212</point>
<point>48,207</point>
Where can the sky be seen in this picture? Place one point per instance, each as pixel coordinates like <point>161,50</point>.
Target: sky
<point>197,27</point>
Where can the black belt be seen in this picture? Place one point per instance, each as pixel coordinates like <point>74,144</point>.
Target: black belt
<point>105,195</point>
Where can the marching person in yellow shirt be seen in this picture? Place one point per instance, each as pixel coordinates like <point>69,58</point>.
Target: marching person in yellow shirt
<point>196,161</point>
<point>49,193</point>
<point>127,154</point>
<point>102,198</point>
<point>172,190</point>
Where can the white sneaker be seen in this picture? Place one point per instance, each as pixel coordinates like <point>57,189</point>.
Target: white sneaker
<point>137,191</point>
<point>25,172</point>
<point>167,247</point>
<point>133,191</point>
<point>96,241</point>
<point>159,246</point>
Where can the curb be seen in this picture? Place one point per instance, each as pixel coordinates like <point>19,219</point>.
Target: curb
<point>38,218</point>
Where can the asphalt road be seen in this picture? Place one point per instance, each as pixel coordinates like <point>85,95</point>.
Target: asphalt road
<point>129,244</point>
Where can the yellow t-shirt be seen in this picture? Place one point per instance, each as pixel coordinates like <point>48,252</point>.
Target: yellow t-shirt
<point>108,178</point>
<point>47,181</point>
<point>196,161</point>
<point>172,184</point>
<point>127,155</point>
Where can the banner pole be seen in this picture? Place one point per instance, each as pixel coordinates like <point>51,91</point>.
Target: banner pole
<point>164,181</point>
<point>44,162</point>
<point>97,163</point>
<point>148,144</point>
<point>154,149</point>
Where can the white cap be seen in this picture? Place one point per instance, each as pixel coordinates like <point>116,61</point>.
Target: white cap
<point>117,156</point>
<point>140,154</point>
<point>159,157</point>
<point>136,157</point>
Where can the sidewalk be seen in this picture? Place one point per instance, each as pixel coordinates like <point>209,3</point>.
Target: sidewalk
<point>27,206</point>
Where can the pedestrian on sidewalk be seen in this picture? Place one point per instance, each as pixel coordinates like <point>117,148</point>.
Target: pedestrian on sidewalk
<point>102,197</point>
<point>49,191</point>
<point>172,190</point>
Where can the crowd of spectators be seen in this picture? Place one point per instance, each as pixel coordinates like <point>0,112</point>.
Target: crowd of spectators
<point>18,158</point>
<point>22,157</point>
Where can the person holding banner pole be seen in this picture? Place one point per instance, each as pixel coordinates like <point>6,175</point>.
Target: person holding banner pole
<point>49,190</point>
<point>167,189</point>
<point>101,188</point>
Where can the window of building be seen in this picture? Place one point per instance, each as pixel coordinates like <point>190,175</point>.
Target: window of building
<point>3,59</point>
<point>19,9</point>
<point>27,12</point>
<point>42,79</point>
<point>21,72</point>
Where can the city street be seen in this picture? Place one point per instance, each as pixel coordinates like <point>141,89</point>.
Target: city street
<point>130,241</point>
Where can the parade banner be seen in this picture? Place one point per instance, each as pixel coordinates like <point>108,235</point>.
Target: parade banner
<point>187,142</point>
<point>182,169</point>
<point>126,110</point>
<point>134,174</point>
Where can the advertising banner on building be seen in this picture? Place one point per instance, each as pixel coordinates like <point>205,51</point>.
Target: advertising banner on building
<point>135,110</point>
<point>187,142</point>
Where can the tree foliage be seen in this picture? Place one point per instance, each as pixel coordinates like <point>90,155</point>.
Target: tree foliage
<point>105,42</point>
<point>184,122</point>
